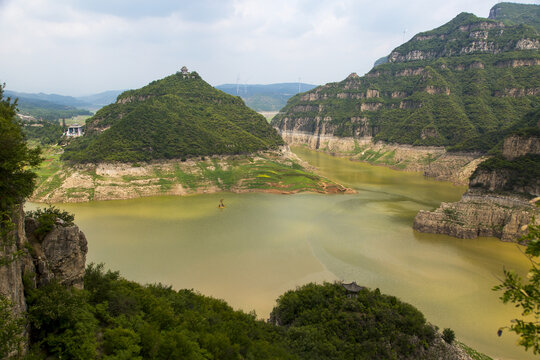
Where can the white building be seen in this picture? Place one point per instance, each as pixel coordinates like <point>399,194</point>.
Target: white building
<point>74,131</point>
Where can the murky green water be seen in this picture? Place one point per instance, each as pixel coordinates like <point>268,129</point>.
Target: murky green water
<point>261,245</point>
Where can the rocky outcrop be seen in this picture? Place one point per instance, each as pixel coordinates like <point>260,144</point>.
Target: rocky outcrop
<point>60,255</point>
<point>498,200</point>
<point>128,99</point>
<point>18,263</point>
<point>499,180</point>
<point>516,146</point>
<point>434,162</point>
<point>479,214</point>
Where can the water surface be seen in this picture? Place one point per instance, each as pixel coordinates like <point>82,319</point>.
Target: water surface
<point>261,245</point>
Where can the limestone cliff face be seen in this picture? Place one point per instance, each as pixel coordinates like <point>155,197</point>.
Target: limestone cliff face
<point>445,87</point>
<point>479,214</point>
<point>516,146</point>
<point>60,255</point>
<point>11,275</point>
<point>496,204</point>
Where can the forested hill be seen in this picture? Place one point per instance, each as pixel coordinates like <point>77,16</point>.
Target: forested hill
<point>178,116</point>
<point>471,79</point>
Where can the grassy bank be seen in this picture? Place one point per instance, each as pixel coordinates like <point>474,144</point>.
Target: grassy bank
<point>269,172</point>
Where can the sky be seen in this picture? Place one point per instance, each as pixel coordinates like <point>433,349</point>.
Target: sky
<point>81,47</point>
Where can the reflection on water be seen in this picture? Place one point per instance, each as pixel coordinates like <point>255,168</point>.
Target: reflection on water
<point>261,245</point>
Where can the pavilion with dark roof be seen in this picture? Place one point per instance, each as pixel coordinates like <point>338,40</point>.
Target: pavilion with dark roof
<point>352,289</point>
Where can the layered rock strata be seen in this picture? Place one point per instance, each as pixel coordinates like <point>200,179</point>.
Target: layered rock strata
<point>433,161</point>
<point>496,204</point>
<point>479,214</point>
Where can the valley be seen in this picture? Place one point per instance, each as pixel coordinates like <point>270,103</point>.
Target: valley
<point>261,245</point>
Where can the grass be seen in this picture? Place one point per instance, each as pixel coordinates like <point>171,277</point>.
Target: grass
<point>51,164</point>
<point>475,355</point>
<point>79,119</point>
<point>231,173</point>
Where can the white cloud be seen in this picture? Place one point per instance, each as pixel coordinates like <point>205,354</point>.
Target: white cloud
<point>76,47</point>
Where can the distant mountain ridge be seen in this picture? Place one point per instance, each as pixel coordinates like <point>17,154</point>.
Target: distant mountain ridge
<point>464,84</point>
<point>270,97</point>
<point>180,115</point>
<point>88,102</point>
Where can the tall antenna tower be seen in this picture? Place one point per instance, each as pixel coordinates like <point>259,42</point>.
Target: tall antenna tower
<point>404,31</point>
<point>299,84</point>
<point>237,84</point>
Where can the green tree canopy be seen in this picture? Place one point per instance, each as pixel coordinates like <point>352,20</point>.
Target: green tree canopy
<point>16,159</point>
<point>525,295</point>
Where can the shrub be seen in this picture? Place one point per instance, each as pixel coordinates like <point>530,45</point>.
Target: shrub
<point>46,218</point>
<point>448,335</point>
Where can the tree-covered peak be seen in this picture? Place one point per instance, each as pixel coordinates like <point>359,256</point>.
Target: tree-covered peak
<point>175,117</point>
<point>468,34</point>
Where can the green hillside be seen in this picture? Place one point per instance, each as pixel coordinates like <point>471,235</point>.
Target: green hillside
<point>512,13</point>
<point>175,117</point>
<point>46,110</point>
<point>469,80</point>
<point>113,318</point>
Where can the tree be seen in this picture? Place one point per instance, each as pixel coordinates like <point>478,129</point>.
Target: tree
<point>11,329</point>
<point>16,159</point>
<point>525,294</point>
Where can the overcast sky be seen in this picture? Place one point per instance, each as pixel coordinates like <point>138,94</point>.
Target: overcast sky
<point>79,47</point>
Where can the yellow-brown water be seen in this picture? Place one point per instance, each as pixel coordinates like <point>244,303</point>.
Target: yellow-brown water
<point>261,245</point>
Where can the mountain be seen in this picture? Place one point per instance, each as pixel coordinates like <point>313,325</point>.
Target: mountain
<point>271,97</point>
<point>178,116</point>
<point>37,107</point>
<point>512,13</point>
<point>101,99</point>
<point>463,84</point>
<point>51,98</point>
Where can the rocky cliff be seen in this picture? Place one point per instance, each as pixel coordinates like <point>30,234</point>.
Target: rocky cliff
<point>503,196</point>
<point>479,213</point>
<point>461,85</point>
<point>433,161</point>
<point>58,255</point>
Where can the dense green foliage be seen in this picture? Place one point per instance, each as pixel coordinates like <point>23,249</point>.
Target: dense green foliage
<point>46,110</point>
<point>11,329</point>
<point>113,318</point>
<point>174,117</point>
<point>16,177</point>
<point>525,294</point>
<point>47,217</point>
<point>512,13</point>
<point>46,132</point>
<point>451,94</point>
<point>151,322</point>
<point>271,97</point>
<point>454,36</point>
<point>323,323</point>
<point>449,335</point>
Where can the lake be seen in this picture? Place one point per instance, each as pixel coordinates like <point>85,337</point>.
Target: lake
<point>262,245</point>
